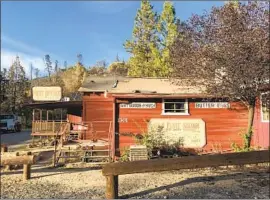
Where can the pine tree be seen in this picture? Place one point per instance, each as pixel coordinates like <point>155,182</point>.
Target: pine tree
<point>143,46</point>
<point>48,65</point>
<point>117,59</point>
<point>36,72</point>
<point>56,68</point>
<point>167,28</point>
<point>17,88</point>
<point>80,59</point>
<point>65,64</point>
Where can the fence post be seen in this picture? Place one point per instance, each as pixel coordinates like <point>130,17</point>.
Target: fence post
<point>111,187</point>
<point>4,148</point>
<point>26,171</point>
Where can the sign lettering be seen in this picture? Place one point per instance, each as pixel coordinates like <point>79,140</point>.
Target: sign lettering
<point>138,105</point>
<point>212,105</point>
<point>190,131</point>
<point>47,93</point>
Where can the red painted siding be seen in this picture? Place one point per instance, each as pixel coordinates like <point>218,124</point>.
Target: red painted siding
<point>223,126</point>
<point>97,115</point>
<point>261,129</point>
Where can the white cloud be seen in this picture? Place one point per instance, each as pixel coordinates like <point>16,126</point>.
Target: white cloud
<point>8,57</point>
<point>20,46</point>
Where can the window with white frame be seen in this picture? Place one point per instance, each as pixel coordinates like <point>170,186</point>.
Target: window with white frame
<point>175,106</point>
<point>265,104</point>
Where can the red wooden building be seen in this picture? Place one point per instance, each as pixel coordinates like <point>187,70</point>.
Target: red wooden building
<point>122,107</point>
<point>261,122</point>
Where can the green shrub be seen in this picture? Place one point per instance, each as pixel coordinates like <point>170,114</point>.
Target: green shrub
<point>246,146</point>
<point>124,155</point>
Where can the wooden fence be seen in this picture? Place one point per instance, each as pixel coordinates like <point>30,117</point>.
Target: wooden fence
<point>112,170</point>
<point>8,159</point>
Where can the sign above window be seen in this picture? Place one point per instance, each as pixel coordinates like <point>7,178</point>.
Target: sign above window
<point>47,93</point>
<point>138,105</point>
<point>212,105</point>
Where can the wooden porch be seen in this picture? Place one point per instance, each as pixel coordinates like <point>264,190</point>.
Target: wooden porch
<point>73,140</point>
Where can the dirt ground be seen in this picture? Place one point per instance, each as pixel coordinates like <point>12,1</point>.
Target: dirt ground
<point>88,183</point>
<point>84,182</point>
<point>16,141</point>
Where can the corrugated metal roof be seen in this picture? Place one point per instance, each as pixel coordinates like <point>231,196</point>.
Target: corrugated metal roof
<point>137,85</point>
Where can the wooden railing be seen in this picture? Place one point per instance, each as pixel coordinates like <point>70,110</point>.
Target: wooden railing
<point>8,159</point>
<point>47,126</point>
<point>112,170</point>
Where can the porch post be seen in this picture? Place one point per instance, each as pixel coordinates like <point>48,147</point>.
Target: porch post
<point>113,131</point>
<point>47,120</point>
<point>40,119</point>
<point>61,115</point>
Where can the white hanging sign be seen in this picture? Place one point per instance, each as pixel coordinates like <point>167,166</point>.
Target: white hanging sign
<point>212,105</point>
<point>138,105</point>
<point>51,93</point>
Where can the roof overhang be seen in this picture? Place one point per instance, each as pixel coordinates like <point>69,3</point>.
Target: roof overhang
<point>54,105</point>
<point>163,96</point>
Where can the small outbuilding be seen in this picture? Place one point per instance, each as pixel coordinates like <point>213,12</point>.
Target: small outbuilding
<point>119,108</point>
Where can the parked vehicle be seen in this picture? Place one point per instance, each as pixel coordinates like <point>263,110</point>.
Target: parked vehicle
<point>10,122</point>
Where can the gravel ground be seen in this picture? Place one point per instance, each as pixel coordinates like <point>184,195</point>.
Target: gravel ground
<point>85,182</point>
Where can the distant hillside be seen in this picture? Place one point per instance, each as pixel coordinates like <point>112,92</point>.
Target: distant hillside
<point>70,80</point>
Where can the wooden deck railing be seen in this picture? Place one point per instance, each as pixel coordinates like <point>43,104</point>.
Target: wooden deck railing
<point>112,170</point>
<point>47,126</point>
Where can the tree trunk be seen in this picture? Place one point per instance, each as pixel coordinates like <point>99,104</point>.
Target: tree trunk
<point>251,109</point>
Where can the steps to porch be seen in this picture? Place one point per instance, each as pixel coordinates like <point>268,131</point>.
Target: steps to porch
<point>85,151</point>
<point>71,143</point>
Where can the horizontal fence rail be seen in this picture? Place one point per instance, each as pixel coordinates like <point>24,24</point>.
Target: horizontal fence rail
<point>9,158</point>
<point>112,170</point>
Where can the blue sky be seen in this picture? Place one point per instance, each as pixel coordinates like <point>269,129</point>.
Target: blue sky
<point>62,29</point>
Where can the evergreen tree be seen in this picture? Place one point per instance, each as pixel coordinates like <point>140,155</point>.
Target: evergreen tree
<point>80,59</point>
<point>65,64</point>
<point>17,88</point>
<point>48,64</point>
<point>117,59</point>
<point>56,68</point>
<point>143,46</point>
<point>167,28</point>
<point>36,72</point>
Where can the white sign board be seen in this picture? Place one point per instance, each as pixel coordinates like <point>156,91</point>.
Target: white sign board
<point>191,132</point>
<point>212,105</point>
<point>47,93</point>
<point>138,105</point>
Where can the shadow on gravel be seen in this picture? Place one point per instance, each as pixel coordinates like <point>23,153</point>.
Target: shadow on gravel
<point>208,180</point>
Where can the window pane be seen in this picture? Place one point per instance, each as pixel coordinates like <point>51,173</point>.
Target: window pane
<point>175,106</point>
<point>180,106</point>
<point>169,106</point>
